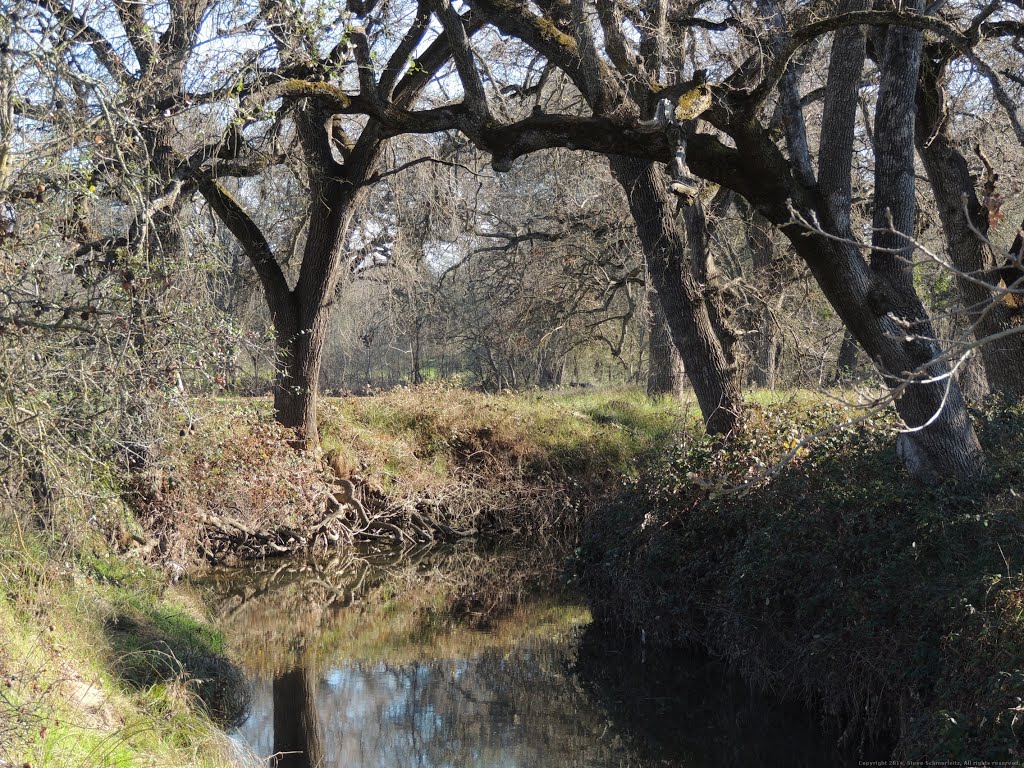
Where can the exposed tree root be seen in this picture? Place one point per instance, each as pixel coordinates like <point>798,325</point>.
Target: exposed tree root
<point>345,520</point>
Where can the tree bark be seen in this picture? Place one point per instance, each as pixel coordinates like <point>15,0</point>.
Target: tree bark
<point>711,374</point>
<point>965,225</point>
<point>941,443</point>
<point>666,374</point>
<point>941,439</point>
<point>301,315</point>
<point>708,278</point>
<point>296,388</point>
<point>877,303</point>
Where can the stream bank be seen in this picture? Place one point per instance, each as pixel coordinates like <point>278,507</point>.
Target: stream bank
<point>434,463</point>
<point>894,612</point>
<point>897,612</point>
<point>109,658</point>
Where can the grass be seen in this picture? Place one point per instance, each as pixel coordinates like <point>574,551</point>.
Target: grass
<point>72,692</point>
<point>896,610</point>
<point>430,430</point>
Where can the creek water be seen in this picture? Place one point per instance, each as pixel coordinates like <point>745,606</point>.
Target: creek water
<point>361,661</point>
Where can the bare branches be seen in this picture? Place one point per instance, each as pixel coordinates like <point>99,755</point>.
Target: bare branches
<point>257,248</point>
<point>89,35</point>
<point>805,34</point>
<point>399,60</point>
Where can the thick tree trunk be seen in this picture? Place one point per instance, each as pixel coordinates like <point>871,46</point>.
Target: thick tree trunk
<point>708,368</point>
<point>972,380</point>
<point>941,443</point>
<point>301,316</point>
<point>763,373</point>
<point>300,355</point>
<point>708,278</point>
<point>297,735</point>
<point>666,374</point>
<point>965,225</point>
<point>878,304</point>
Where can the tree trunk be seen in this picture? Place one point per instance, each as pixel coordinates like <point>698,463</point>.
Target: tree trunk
<point>665,372</point>
<point>949,447</point>
<point>417,374</point>
<point>972,380</point>
<point>878,304</point>
<point>846,366</point>
<point>297,736</point>
<point>766,357</point>
<point>941,443</point>
<point>965,224</point>
<point>709,281</point>
<point>765,261</point>
<point>708,368</point>
<point>300,355</point>
<point>301,316</point>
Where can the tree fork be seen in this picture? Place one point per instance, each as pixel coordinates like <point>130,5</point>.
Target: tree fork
<point>714,379</point>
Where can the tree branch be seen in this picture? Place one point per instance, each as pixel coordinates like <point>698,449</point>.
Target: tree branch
<point>256,246</point>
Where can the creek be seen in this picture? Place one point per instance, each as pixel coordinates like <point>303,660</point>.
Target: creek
<point>391,659</point>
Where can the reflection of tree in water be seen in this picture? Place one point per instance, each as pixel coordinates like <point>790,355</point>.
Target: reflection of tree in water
<point>498,709</point>
<point>351,671</point>
<point>272,613</point>
<point>298,737</point>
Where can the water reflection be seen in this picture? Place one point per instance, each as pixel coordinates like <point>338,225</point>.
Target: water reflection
<point>499,709</point>
<point>382,677</point>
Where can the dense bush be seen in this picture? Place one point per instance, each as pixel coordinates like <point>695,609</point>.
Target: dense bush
<point>896,610</point>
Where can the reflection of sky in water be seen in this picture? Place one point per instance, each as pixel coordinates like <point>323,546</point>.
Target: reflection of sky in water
<point>501,711</point>
<point>455,698</point>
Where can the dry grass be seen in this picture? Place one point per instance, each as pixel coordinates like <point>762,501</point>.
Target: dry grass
<point>524,465</point>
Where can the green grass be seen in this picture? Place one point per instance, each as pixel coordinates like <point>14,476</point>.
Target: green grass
<point>433,429</point>
<point>68,693</point>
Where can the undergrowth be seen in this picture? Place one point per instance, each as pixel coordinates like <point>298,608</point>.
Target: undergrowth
<point>896,610</point>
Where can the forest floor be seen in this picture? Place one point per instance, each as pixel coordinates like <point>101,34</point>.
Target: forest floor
<point>893,610</point>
